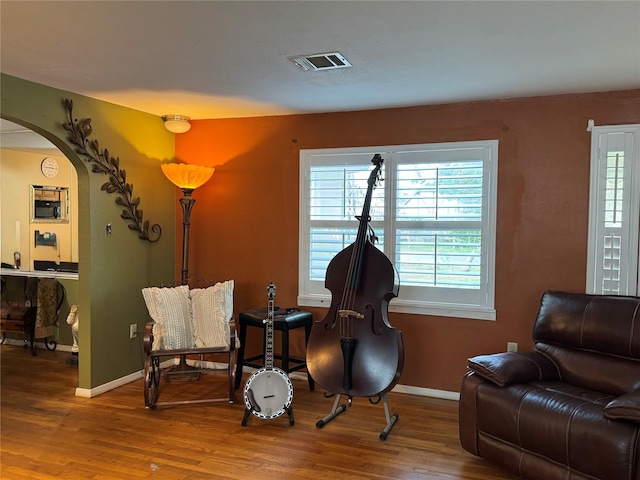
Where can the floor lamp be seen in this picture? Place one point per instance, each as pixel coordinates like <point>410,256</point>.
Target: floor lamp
<point>187,177</point>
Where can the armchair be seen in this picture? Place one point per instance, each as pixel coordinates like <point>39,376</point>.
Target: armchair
<point>186,323</point>
<point>570,408</point>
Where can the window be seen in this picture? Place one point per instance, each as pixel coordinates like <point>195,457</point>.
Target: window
<point>433,213</point>
<point>614,211</point>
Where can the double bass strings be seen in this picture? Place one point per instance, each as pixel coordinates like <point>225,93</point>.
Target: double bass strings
<point>354,273</point>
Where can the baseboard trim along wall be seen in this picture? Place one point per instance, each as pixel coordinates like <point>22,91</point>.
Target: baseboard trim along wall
<point>408,389</point>
<point>40,345</point>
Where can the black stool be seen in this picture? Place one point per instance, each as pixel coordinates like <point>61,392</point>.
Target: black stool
<point>283,322</point>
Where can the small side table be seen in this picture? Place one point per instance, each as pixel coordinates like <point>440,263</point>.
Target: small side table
<point>283,322</point>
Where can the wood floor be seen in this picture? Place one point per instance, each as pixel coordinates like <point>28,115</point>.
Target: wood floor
<point>47,432</point>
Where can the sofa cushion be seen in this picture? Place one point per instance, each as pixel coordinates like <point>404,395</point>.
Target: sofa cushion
<point>513,367</point>
<point>170,309</point>
<point>590,336</point>
<point>625,407</point>
<point>212,310</point>
<point>593,370</point>
<point>598,323</point>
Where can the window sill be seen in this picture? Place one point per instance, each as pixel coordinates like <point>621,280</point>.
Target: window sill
<point>416,308</point>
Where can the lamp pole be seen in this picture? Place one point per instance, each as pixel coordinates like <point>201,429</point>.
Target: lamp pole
<point>187,177</point>
<point>187,204</point>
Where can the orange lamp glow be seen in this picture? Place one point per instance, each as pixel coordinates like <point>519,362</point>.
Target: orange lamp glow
<point>187,176</point>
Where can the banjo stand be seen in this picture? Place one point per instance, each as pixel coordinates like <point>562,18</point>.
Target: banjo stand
<point>338,409</point>
<point>256,408</point>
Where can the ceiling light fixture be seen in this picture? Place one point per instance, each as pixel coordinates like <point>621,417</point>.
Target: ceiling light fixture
<point>177,123</point>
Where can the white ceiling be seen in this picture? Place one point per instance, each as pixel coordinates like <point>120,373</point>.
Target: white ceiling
<point>215,59</point>
<point>17,137</point>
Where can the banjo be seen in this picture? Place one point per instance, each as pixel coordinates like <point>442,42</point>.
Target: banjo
<point>268,393</point>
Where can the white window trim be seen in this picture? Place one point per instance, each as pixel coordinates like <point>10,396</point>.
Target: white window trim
<point>485,312</point>
<point>630,283</point>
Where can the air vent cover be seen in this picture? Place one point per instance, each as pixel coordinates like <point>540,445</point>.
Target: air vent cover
<point>321,61</point>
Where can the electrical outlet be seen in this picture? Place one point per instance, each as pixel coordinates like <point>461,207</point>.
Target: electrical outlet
<point>512,346</point>
<point>133,330</point>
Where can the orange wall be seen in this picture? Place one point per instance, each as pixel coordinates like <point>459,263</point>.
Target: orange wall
<point>245,222</point>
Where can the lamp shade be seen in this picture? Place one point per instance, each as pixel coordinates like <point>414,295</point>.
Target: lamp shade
<point>186,175</point>
<point>177,123</point>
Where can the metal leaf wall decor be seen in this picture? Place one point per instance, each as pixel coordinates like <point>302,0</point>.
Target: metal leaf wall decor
<point>103,162</point>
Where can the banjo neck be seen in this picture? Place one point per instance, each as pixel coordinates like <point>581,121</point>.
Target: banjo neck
<point>268,354</point>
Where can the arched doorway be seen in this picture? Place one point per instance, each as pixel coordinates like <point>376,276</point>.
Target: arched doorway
<point>39,217</point>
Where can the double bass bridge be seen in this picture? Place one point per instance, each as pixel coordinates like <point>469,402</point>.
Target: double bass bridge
<point>349,313</point>
<point>346,315</point>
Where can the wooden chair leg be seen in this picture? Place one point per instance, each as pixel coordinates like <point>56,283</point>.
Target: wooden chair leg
<point>232,376</point>
<point>151,381</point>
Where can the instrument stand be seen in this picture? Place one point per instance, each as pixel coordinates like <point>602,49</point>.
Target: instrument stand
<point>391,419</point>
<point>337,410</point>
<point>249,411</point>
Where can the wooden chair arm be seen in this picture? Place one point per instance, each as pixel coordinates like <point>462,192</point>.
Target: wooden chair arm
<point>148,337</point>
<point>232,337</point>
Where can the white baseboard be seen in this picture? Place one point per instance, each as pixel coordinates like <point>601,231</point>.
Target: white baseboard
<point>105,387</point>
<point>427,392</point>
<point>408,389</point>
<point>40,345</point>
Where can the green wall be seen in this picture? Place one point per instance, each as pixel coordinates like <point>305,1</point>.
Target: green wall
<point>113,269</point>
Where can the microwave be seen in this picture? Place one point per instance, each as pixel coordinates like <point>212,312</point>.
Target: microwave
<point>45,209</point>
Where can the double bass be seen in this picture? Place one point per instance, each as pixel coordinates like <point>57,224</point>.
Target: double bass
<point>354,350</point>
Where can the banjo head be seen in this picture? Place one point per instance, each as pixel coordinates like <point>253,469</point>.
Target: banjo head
<point>268,393</point>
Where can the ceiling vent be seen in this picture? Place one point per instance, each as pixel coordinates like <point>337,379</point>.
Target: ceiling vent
<point>321,61</point>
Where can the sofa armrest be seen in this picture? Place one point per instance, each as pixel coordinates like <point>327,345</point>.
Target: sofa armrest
<point>513,367</point>
<point>625,407</point>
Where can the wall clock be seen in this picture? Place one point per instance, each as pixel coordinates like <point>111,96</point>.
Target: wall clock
<point>49,167</point>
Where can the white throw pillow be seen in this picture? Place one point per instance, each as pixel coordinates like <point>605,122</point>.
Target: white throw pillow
<point>212,310</point>
<point>170,309</point>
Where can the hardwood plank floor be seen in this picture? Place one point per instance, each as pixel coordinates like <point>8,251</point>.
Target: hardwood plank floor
<point>47,432</point>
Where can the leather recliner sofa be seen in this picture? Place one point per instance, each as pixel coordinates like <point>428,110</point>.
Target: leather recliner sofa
<point>570,409</point>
